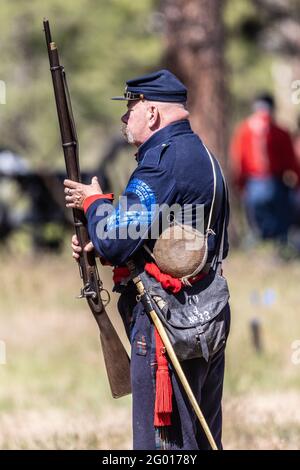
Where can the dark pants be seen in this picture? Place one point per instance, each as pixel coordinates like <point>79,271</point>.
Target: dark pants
<point>269,207</point>
<point>205,379</point>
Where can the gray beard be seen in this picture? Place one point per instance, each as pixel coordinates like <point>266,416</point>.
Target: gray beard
<point>127,134</point>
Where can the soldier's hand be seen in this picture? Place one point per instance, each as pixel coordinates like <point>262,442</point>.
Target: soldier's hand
<point>76,193</point>
<point>77,249</point>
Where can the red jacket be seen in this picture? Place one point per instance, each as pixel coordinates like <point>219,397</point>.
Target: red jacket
<point>260,149</point>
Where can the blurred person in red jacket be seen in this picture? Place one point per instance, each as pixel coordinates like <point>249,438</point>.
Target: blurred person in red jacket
<point>265,169</point>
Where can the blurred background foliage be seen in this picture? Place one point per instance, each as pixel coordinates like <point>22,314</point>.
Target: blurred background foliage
<point>102,44</point>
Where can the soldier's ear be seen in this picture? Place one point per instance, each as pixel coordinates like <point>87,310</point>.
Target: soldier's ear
<point>153,115</point>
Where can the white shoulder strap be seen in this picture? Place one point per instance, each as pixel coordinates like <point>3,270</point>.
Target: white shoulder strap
<point>208,229</point>
<point>218,258</point>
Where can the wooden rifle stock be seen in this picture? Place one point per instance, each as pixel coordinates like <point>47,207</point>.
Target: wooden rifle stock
<point>115,356</point>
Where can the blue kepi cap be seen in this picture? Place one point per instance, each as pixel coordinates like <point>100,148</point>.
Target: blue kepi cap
<point>157,86</point>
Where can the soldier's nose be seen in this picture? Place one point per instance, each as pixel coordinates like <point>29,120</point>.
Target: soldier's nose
<point>124,118</point>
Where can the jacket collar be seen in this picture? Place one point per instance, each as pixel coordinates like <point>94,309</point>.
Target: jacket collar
<point>164,135</point>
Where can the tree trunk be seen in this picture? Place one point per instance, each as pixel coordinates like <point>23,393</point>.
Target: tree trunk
<point>194,51</point>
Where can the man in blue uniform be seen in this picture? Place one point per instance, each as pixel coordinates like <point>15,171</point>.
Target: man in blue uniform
<point>173,167</point>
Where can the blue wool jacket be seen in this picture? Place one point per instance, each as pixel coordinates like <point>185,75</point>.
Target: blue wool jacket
<point>173,167</point>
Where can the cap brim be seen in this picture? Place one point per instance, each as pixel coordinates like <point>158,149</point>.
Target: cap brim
<point>118,98</point>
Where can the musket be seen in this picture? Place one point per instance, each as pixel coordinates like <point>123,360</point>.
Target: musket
<point>115,356</point>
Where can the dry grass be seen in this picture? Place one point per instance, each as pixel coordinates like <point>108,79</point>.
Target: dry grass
<point>262,421</point>
<point>253,276</point>
<point>54,392</point>
<point>64,429</point>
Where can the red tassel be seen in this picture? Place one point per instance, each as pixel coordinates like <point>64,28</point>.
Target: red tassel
<point>167,281</point>
<point>163,398</point>
<point>119,273</point>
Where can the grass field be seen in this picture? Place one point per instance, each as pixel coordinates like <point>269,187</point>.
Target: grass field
<point>54,392</point>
